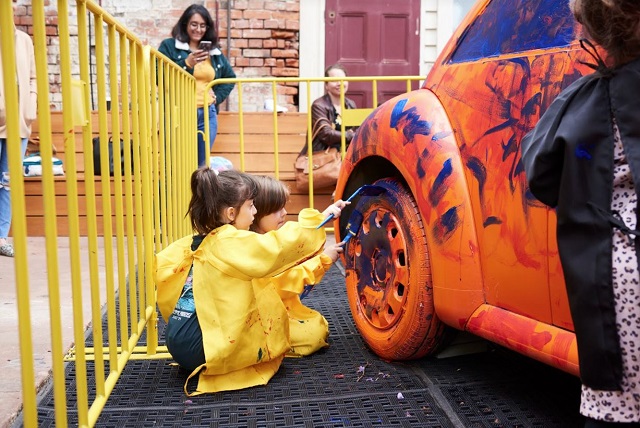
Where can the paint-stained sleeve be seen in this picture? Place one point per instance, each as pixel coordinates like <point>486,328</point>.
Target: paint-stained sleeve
<point>249,255</point>
<point>171,267</point>
<point>310,272</point>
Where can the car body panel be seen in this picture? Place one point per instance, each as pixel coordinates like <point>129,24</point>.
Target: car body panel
<point>456,145</point>
<point>543,342</point>
<point>413,133</point>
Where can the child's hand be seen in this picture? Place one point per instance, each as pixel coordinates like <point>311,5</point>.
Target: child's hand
<point>334,250</point>
<point>335,208</point>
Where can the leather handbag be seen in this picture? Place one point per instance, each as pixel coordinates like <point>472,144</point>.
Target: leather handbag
<point>326,168</point>
<point>326,164</point>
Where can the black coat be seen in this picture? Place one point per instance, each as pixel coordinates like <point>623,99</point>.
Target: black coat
<point>569,162</point>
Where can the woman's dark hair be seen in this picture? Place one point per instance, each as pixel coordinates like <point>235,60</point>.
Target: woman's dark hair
<point>335,67</point>
<point>179,30</point>
<point>212,193</point>
<point>272,195</point>
<point>613,24</point>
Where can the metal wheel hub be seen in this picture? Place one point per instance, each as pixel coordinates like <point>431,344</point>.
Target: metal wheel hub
<point>381,267</point>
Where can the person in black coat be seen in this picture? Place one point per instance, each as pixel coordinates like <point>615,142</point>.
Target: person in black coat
<point>583,159</point>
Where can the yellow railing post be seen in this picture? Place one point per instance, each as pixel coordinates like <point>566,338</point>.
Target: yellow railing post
<point>73,209</point>
<point>274,81</point>
<point>44,115</point>
<point>19,226</point>
<point>153,113</point>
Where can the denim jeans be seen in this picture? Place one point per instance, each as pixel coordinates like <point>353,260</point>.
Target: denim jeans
<point>5,196</point>
<point>203,153</point>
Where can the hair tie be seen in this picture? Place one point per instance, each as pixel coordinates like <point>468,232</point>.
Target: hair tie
<point>215,171</point>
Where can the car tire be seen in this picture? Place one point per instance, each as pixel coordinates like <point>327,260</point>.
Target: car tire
<point>388,277</point>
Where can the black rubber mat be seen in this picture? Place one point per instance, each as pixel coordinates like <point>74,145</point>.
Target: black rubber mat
<point>328,389</point>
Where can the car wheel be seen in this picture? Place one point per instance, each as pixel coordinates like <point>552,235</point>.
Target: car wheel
<point>388,277</point>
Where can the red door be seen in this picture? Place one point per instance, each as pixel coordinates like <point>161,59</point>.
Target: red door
<point>373,38</point>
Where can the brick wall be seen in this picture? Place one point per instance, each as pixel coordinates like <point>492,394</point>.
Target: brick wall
<point>263,39</point>
<point>24,21</point>
<point>264,42</point>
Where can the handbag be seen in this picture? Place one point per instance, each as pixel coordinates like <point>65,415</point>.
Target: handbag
<point>326,164</point>
<point>97,166</point>
<point>326,168</point>
<point>32,165</point>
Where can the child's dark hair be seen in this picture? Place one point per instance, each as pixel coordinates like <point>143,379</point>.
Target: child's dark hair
<point>179,30</point>
<point>613,24</point>
<point>272,195</point>
<point>212,193</point>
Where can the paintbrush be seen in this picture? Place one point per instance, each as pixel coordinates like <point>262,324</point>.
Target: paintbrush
<point>365,190</point>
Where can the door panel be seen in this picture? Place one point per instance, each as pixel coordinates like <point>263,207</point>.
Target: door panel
<point>373,38</point>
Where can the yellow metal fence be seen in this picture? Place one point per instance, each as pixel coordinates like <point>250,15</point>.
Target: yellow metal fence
<point>151,110</point>
<point>304,84</point>
<point>141,205</point>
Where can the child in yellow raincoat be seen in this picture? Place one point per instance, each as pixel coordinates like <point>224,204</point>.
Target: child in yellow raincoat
<point>230,330</point>
<point>308,329</point>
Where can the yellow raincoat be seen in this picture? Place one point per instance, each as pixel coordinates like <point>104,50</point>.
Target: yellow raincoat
<point>308,329</point>
<point>245,328</point>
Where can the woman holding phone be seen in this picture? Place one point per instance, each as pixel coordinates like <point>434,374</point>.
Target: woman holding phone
<point>194,47</point>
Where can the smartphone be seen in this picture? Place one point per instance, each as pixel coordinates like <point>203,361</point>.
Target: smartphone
<point>205,45</point>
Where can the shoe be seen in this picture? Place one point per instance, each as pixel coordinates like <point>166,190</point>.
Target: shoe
<point>7,250</point>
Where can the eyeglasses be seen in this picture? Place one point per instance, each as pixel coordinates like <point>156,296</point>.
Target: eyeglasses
<point>195,26</point>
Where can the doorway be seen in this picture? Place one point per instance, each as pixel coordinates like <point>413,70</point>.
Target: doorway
<point>374,38</point>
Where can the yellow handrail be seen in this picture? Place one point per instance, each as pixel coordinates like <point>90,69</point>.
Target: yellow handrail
<point>274,81</point>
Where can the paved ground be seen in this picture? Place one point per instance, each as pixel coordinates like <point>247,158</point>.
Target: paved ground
<point>343,386</point>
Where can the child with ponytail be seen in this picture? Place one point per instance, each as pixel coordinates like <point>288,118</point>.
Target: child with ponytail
<point>229,330</point>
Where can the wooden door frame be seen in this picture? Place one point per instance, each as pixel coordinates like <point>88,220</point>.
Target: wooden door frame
<point>312,37</point>
<point>436,26</point>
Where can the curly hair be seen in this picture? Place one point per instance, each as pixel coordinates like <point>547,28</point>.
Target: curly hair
<point>613,24</point>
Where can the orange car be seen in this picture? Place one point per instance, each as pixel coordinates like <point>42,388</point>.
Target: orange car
<point>457,242</point>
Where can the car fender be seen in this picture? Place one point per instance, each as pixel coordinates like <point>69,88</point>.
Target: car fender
<point>412,131</point>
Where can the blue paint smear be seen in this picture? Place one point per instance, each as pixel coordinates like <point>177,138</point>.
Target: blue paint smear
<point>450,219</point>
<point>396,114</point>
<point>519,168</point>
<point>491,220</point>
<point>479,172</point>
<point>584,151</point>
<point>507,124</point>
<point>532,105</point>
<point>410,120</point>
<point>508,26</point>
<point>440,135</point>
<point>510,148</point>
<point>447,224</point>
<point>438,189</point>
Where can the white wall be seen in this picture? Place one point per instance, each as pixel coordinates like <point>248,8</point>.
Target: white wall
<point>311,48</point>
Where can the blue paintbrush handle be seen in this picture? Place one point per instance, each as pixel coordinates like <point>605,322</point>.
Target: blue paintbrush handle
<point>347,238</point>
<point>325,221</point>
<point>330,216</point>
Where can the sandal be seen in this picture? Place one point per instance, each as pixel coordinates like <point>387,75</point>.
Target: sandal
<point>6,250</point>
